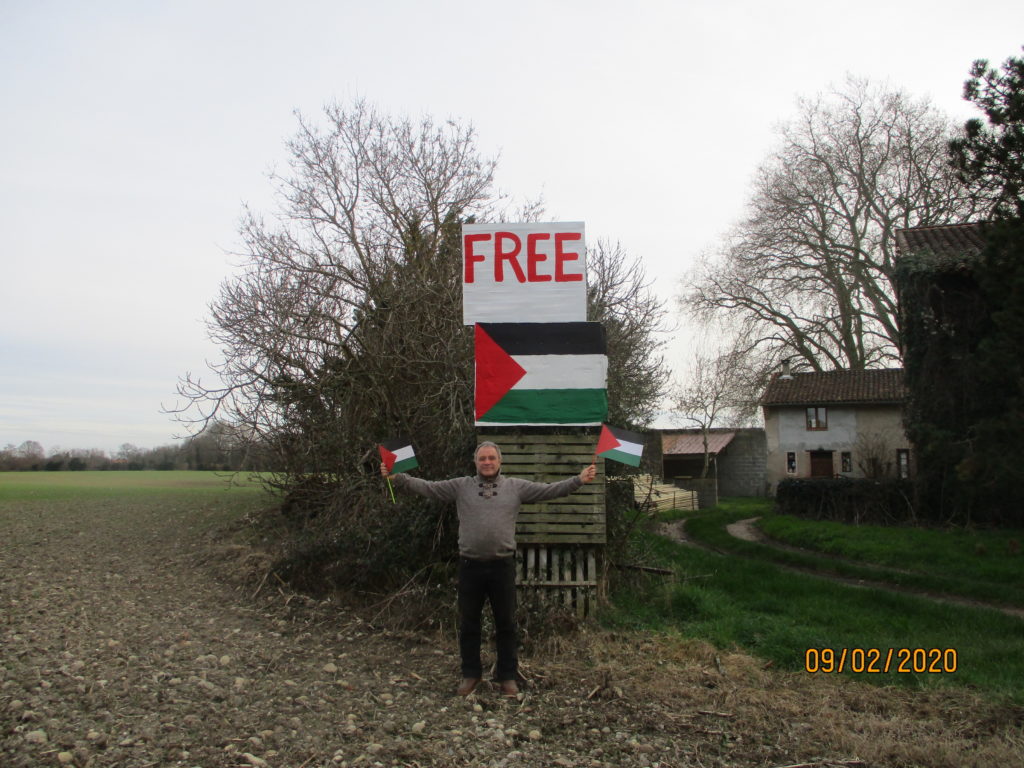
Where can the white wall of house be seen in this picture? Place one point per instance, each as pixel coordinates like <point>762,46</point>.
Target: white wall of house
<point>865,432</point>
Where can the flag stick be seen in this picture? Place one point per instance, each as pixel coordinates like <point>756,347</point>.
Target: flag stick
<point>597,445</point>
<point>391,489</point>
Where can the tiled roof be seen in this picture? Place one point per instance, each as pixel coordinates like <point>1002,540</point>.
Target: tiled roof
<point>950,245</point>
<point>836,388</point>
<point>691,443</point>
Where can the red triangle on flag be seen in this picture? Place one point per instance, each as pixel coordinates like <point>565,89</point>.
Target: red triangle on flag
<point>496,372</point>
<point>387,457</point>
<point>607,441</point>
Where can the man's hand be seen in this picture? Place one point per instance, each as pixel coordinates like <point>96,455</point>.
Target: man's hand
<point>588,474</point>
<point>384,471</point>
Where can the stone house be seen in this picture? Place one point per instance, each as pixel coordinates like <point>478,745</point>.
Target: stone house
<point>835,424</point>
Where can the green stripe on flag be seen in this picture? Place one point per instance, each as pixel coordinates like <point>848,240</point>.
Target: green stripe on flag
<point>404,465</point>
<point>635,449</point>
<point>633,459</point>
<point>549,406</point>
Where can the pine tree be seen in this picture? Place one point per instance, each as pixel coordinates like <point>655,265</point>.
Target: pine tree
<point>990,157</point>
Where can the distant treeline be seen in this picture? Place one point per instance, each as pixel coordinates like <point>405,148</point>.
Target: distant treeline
<point>207,451</point>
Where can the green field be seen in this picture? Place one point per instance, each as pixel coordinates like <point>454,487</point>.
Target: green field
<point>42,486</point>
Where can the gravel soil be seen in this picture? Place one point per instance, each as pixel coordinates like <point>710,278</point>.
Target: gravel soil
<point>139,633</point>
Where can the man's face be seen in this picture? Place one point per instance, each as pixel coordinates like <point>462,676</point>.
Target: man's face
<point>487,462</point>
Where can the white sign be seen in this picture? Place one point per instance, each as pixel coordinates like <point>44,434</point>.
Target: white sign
<point>524,273</point>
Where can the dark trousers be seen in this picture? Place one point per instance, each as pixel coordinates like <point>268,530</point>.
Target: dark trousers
<point>493,580</point>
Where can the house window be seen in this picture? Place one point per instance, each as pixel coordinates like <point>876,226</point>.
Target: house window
<point>817,418</point>
<point>791,463</point>
<point>903,463</point>
<point>847,461</point>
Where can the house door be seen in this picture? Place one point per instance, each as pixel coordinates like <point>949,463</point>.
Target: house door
<point>821,464</point>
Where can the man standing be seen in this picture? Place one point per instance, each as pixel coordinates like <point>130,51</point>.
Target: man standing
<point>487,506</point>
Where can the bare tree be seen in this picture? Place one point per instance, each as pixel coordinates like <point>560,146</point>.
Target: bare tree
<point>350,292</point>
<point>718,390</point>
<point>27,455</point>
<point>345,328</point>
<point>30,449</point>
<point>876,454</point>
<point>808,272</point>
<point>620,296</point>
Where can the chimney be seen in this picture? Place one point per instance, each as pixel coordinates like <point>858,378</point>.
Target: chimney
<point>786,372</point>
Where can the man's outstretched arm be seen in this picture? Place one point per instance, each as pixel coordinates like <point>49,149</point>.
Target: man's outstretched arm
<point>439,490</point>
<point>530,491</point>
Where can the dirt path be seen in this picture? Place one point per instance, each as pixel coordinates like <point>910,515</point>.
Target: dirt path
<point>120,649</point>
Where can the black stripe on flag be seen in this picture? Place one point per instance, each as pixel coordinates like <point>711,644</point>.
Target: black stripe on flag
<point>548,338</point>
<point>396,443</point>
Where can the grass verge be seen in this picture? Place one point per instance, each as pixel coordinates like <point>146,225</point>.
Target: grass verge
<point>787,618</point>
<point>925,560</point>
<point>991,559</point>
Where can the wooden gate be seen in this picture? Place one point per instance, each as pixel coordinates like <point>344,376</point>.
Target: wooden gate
<point>560,541</point>
<point>558,575</point>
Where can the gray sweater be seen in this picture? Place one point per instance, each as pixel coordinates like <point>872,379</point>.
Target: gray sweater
<point>487,509</point>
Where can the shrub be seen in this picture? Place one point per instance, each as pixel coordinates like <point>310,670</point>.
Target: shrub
<point>848,500</point>
<point>360,540</point>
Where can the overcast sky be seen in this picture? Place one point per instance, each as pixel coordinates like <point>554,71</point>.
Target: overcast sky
<point>133,133</point>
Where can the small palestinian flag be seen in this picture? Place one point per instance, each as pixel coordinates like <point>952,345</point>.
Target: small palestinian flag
<point>541,373</point>
<point>398,455</point>
<point>620,445</point>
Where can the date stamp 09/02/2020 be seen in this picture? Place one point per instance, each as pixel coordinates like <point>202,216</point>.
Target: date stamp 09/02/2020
<point>881,660</point>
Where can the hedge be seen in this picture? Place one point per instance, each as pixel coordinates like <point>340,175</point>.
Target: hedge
<point>848,500</point>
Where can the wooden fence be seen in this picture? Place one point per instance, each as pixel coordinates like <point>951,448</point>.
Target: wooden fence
<point>560,541</point>
<point>559,575</point>
<point>575,519</point>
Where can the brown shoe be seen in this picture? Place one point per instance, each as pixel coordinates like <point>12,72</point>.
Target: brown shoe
<point>467,686</point>
<point>509,688</point>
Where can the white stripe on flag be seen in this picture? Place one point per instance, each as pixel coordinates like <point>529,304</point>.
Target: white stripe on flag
<point>563,371</point>
<point>634,449</point>
<point>404,453</point>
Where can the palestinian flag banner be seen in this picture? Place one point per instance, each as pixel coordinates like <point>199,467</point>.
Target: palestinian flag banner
<point>620,445</point>
<point>398,455</point>
<point>541,373</point>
